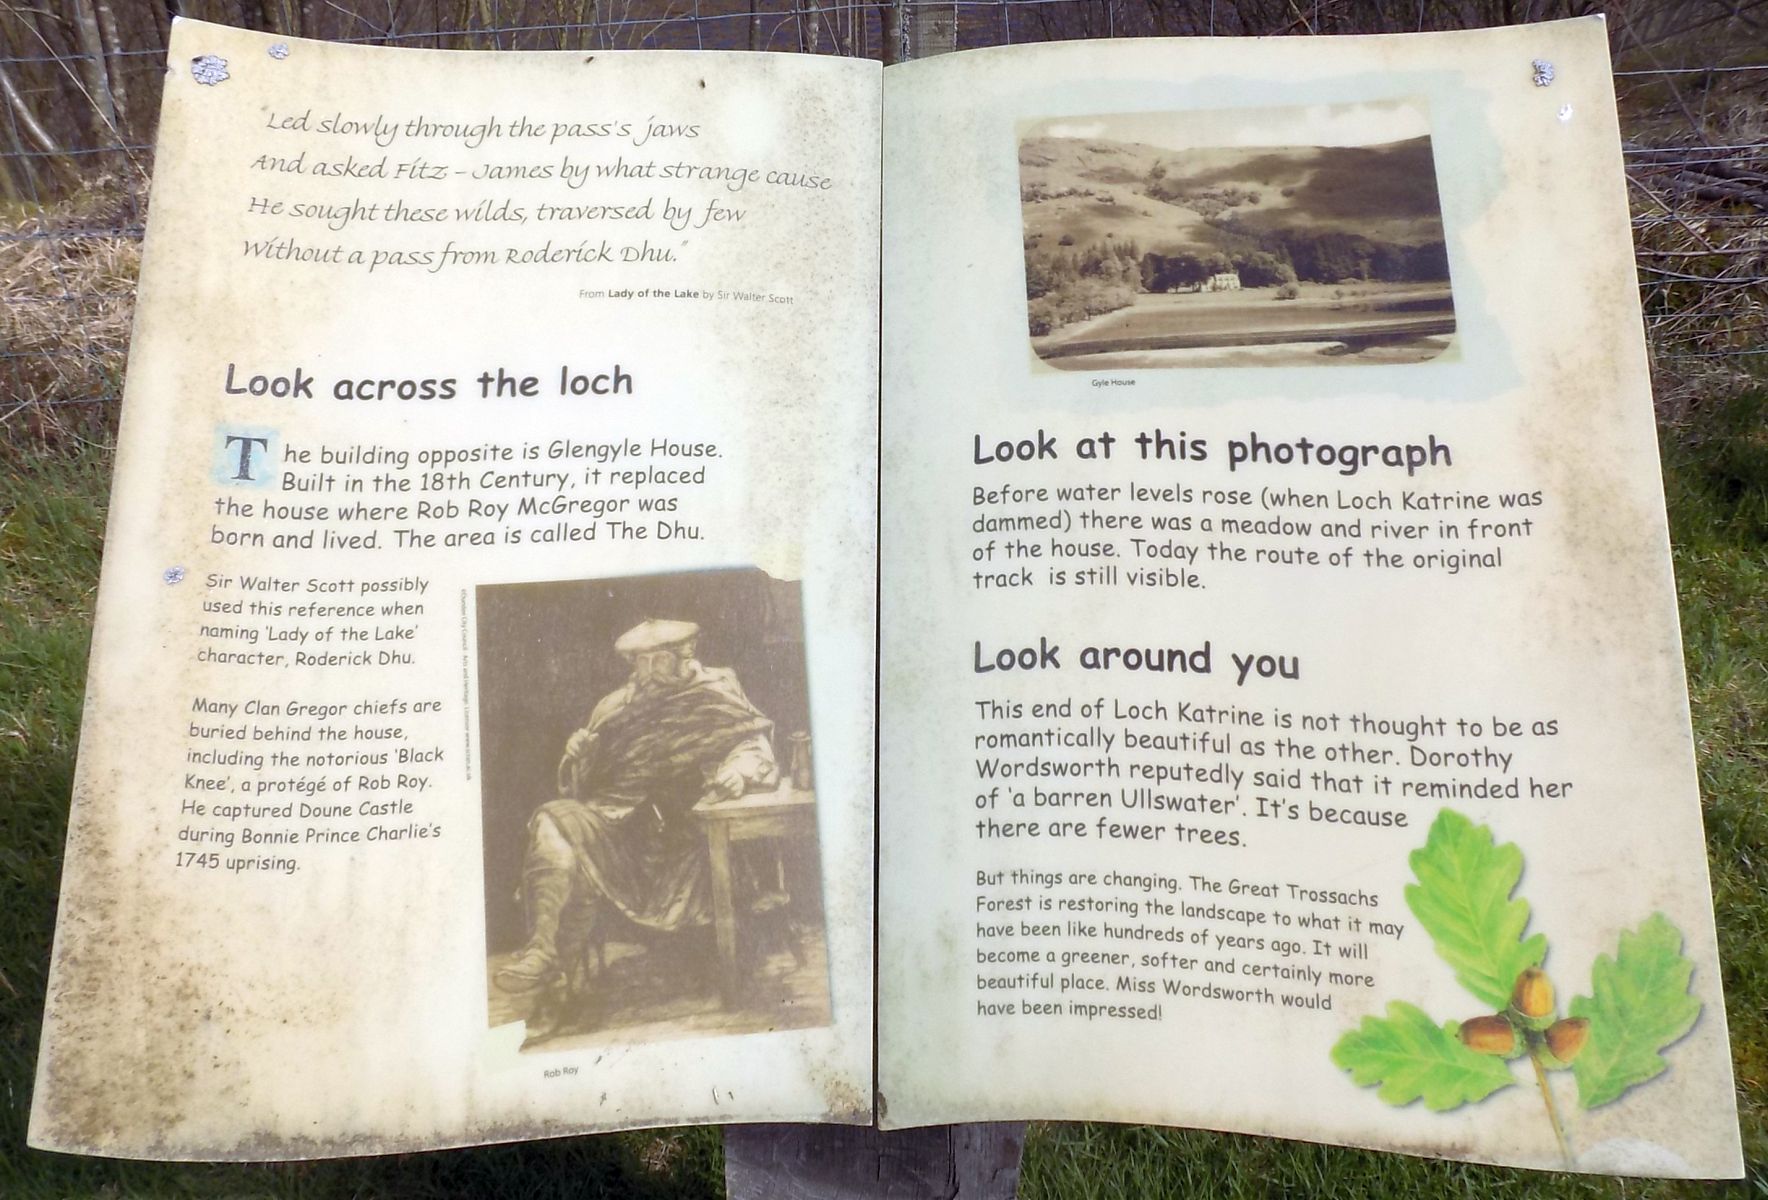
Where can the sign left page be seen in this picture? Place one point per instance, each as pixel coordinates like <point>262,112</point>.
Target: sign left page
<point>478,741</point>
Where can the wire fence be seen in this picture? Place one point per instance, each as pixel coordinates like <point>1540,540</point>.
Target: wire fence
<point>79,93</point>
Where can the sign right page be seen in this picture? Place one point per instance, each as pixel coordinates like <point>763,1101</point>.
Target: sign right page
<point>1284,727</point>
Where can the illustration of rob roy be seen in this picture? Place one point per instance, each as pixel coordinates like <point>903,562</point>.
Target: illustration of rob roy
<point>619,838</point>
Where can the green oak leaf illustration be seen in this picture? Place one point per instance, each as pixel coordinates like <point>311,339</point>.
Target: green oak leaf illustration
<point>1462,898</point>
<point>1411,1056</point>
<point>1639,1005</point>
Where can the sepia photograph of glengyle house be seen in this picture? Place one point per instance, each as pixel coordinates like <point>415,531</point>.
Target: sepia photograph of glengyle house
<point>1296,236</point>
<point>649,809</point>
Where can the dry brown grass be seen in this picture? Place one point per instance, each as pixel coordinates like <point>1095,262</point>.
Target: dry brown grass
<point>1700,213</point>
<point>660,1153</point>
<point>67,297</point>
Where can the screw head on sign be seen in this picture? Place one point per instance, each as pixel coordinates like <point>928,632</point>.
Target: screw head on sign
<point>1543,72</point>
<point>279,51</point>
<point>173,575</point>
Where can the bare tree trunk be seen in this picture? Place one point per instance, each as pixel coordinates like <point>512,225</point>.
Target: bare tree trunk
<point>9,188</point>
<point>896,31</point>
<point>113,44</point>
<point>95,73</point>
<point>487,28</point>
<point>463,23</point>
<point>160,13</point>
<point>27,120</point>
<point>279,16</point>
<point>23,121</point>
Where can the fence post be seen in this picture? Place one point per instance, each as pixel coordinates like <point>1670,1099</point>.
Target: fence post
<point>848,1162</point>
<point>932,29</point>
<point>896,32</point>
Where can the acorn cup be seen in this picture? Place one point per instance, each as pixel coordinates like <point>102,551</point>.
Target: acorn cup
<point>1489,1035</point>
<point>1563,1041</point>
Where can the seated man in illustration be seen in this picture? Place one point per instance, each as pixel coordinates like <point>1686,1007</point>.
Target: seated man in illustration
<point>619,836</point>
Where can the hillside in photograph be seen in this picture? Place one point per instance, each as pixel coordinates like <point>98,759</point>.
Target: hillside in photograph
<point>1140,255</point>
<point>1090,189</point>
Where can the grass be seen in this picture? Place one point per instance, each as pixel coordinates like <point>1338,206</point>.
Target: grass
<point>51,527</point>
<point>67,296</point>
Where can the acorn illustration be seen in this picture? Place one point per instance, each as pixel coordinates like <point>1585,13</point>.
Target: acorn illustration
<point>1533,994</point>
<point>1531,1001</point>
<point>1489,1035</point>
<point>1565,1039</point>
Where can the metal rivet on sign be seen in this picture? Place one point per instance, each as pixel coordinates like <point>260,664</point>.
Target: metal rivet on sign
<point>208,69</point>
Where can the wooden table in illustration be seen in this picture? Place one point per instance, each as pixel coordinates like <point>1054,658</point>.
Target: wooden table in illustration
<point>786,814</point>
